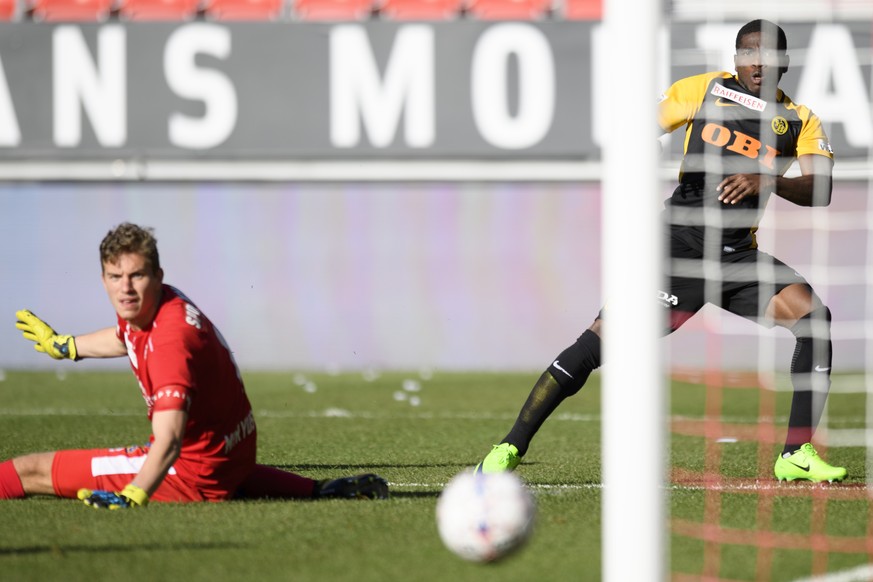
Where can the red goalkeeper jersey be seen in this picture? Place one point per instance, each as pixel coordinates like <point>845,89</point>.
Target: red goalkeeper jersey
<point>183,363</point>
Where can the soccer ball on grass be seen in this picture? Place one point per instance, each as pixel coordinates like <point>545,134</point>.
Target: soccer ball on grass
<point>483,517</point>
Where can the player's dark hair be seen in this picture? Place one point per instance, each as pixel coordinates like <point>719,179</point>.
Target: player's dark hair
<point>129,238</point>
<point>767,29</point>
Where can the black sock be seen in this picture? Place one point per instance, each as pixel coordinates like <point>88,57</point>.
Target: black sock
<point>544,398</point>
<point>565,377</point>
<point>810,375</point>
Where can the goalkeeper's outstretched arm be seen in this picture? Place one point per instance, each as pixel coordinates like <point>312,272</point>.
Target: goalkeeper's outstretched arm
<point>99,344</point>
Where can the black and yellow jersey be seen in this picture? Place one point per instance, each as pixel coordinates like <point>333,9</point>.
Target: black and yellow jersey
<point>730,131</point>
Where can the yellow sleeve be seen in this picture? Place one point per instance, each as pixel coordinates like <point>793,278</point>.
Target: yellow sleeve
<point>681,102</point>
<point>812,139</point>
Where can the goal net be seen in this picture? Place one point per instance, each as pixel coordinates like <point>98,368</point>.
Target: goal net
<point>731,386</point>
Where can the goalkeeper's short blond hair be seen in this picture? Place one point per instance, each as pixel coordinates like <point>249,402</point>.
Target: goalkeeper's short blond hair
<point>129,238</point>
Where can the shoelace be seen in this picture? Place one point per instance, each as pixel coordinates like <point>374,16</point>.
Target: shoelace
<point>506,453</point>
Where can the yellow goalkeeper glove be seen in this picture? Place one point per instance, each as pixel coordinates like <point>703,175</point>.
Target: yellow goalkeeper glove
<point>47,340</point>
<point>130,496</point>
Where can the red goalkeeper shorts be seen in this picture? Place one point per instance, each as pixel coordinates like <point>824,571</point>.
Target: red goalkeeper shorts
<point>111,470</point>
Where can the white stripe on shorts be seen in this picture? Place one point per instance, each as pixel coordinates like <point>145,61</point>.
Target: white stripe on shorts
<point>119,465</point>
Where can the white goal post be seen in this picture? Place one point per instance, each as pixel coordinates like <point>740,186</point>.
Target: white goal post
<point>633,401</point>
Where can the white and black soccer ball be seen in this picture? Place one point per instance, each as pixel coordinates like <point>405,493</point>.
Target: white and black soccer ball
<point>483,517</point>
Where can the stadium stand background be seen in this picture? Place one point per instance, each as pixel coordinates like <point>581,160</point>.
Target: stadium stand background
<point>302,10</point>
<point>459,247</point>
<point>430,10</point>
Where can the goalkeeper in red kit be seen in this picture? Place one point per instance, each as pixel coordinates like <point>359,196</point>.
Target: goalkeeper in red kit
<point>204,437</point>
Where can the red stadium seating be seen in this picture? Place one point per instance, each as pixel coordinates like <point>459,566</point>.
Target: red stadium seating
<point>8,10</point>
<point>172,10</point>
<point>583,10</point>
<point>421,9</point>
<point>243,9</point>
<point>333,9</point>
<point>71,10</point>
<point>508,9</point>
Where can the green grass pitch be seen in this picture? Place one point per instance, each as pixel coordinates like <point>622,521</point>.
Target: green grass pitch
<point>417,433</point>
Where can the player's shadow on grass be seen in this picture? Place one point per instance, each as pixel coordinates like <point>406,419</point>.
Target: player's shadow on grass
<point>60,550</point>
<point>415,494</point>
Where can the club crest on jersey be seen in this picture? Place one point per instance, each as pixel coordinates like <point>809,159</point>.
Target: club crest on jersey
<point>779,125</point>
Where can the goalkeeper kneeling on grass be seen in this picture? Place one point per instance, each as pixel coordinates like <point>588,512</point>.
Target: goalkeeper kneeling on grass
<point>204,439</point>
<point>742,133</point>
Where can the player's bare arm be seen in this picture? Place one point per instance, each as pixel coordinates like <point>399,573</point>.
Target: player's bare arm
<point>812,188</point>
<point>168,426</point>
<point>739,186</point>
<point>100,344</point>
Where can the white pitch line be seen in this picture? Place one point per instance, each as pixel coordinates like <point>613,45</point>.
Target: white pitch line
<point>345,413</point>
<point>535,486</point>
<point>336,412</point>
<point>66,412</point>
<point>722,487</point>
<point>859,574</point>
<point>325,413</point>
<point>838,436</point>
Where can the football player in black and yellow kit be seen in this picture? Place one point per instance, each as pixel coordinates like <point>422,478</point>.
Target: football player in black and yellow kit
<point>741,135</point>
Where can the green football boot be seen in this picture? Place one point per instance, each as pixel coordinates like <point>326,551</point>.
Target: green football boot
<point>804,463</point>
<point>503,457</point>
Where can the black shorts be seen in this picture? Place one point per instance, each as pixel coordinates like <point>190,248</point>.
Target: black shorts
<point>742,282</point>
